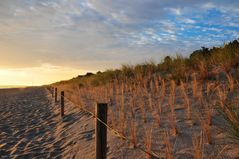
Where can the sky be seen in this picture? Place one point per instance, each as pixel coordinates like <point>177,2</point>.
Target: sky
<point>43,41</point>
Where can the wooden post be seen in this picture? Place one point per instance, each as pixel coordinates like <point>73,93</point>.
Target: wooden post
<point>62,103</point>
<point>55,95</point>
<point>101,131</point>
<point>52,92</point>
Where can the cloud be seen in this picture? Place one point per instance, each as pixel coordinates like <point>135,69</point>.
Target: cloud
<point>208,5</point>
<point>101,34</point>
<point>176,11</point>
<point>187,20</point>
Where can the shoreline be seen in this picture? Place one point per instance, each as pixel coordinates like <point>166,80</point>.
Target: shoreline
<point>16,87</point>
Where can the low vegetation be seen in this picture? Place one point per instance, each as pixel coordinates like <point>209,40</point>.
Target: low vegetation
<point>207,63</point>
<point>182,101</point>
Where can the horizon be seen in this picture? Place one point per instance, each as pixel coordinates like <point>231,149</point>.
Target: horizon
<point>12,86</point>
<point>42,42</point>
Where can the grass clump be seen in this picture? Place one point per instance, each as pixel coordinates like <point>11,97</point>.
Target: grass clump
<point>230,114</point>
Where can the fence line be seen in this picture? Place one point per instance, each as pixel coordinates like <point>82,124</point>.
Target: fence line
<point>62,103</point>
<point>112,130</point>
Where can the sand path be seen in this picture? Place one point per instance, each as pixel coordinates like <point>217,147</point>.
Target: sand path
<point>31,127</point>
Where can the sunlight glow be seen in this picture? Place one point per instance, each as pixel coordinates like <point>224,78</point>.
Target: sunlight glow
<point>35,76</point>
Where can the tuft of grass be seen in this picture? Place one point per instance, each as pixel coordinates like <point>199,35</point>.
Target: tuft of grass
<point>132,105</point>
<point>173,124</point>
<point>208,88</point>
<point>172,94</point>
<point>157,117</point>
<point>172,115</point>
<point>205,118</point>
<point>203,71</point>
<point>230,81</point>
<point>148,142</point>
<point>195,86</point>
<point>197,146</point>
<point>222,95</point>
<point>133,133</point>
<point>169,149</point>
<point>163,90</point>
<point>156,83</point>
<point>150,101</point>
<point>209,114</point>
<point>186,101</point>
<point>207,131</point>
<point>122,111</point>
<point>230,113</point>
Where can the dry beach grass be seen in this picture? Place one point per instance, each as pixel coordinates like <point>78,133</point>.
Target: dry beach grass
<point>173,121</point>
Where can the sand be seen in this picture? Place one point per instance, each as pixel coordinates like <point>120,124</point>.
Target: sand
<point>31,126</point>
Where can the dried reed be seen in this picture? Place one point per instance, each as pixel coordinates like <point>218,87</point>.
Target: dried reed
<point>169,150</point>
<point>133,133</point>
<point>197,146</point>
<point>148,142</point>
<point>207,131</point>
<point>230,81</point>
<point>195,86</point>
<point>186,101</point>
<point>122,111</point>
<point>172,115</point>
<point>163,90</point>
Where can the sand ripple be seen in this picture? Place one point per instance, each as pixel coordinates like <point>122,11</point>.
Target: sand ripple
<point>31,126</point>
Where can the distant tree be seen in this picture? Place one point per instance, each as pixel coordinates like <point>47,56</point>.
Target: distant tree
<point>168,60</point>
<point>201,55</point>
<point>89,74</point>
<point>99,72</point>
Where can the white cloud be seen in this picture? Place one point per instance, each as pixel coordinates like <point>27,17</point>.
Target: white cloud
<point>208,5</point>
<point>187,20</point>
<point>95,33</point>
<point>176,11</point>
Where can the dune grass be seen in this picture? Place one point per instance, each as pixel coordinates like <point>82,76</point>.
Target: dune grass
<point>154,94</point>
<point>205,62</point>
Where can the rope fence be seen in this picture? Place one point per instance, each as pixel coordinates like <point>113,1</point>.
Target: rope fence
<point>101,125</point>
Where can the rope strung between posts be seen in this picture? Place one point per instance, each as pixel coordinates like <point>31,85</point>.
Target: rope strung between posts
<point>118,134</point>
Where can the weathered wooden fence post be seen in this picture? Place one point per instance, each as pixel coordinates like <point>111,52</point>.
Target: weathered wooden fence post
<point>55,95</point>
<point>101,131</point>
<point>62,103</point>
<point>52,92</point>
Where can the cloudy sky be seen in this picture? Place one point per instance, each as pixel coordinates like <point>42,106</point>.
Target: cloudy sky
<point>42,41</point>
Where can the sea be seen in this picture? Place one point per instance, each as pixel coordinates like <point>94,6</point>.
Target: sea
<point>11,86</point>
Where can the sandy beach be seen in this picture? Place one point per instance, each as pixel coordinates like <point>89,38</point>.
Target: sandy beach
<point>31,126</point>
